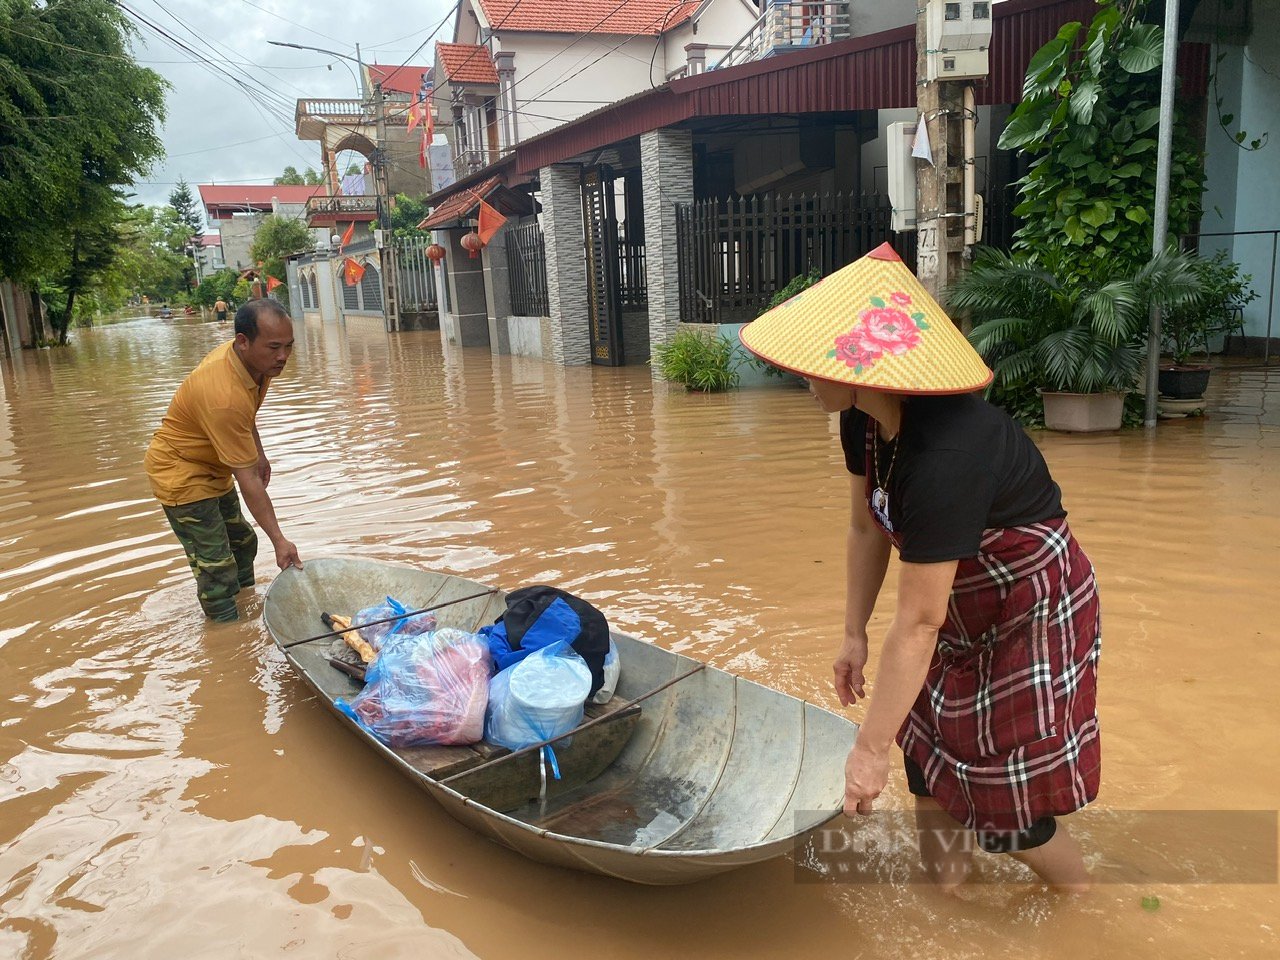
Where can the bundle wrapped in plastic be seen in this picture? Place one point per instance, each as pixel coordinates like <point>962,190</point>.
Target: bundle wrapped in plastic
<point>375,634</point>
<point>425,688</point>
<point>539,698</point>
<point>612,671</point>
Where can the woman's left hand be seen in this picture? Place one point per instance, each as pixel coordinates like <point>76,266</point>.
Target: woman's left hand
<point>865,776</point>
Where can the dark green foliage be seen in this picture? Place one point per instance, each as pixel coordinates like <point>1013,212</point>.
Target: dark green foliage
<point>1188,330</point>
<point>78,121</point>
<point>279,237</point>
<point>216,286</point>
<point>406,213</point>
<point>697,360</point>
<point>1038,324</point>
<point>1090,112</point>
<point>292,178</point>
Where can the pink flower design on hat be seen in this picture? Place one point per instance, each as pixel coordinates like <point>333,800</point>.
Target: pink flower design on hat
<point>881,329</point>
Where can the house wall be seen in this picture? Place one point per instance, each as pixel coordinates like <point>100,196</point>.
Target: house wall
<point>721,24</point>
<point>623,72</point>
<point>1240,192</point>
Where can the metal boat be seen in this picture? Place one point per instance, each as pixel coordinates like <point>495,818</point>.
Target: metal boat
<point>687,772</point>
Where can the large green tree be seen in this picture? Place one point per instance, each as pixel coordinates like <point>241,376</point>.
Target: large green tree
<point>292,178</point>
<point>78,118</point>
<point>276,238</point>
<point>188,208</point>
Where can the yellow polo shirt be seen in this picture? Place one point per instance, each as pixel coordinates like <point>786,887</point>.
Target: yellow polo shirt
<point>207,431</point>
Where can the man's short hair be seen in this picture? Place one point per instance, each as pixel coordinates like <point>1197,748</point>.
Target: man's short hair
<point>247,317</point>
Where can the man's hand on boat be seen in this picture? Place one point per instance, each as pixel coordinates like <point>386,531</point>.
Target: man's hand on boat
<point>850,682</point>
<point>287,555</point>
<point>865,775</point>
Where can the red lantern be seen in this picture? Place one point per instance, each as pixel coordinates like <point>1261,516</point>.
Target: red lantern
<point>435,253</point>
<point>472,243</point>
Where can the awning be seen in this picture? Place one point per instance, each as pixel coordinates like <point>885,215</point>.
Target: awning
<point>465,203</point>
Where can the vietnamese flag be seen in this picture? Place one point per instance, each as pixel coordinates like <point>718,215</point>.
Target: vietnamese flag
<point>353,272</point>
<point>491,222</point>
<point>422,147</point>
<point>346,236</point>
<point>272,283</point>
<point>415,117</point>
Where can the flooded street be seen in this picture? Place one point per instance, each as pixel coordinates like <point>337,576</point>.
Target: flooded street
<point>168,789</point>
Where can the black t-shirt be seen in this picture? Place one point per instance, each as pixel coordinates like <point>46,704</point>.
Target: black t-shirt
<point>962,466</point>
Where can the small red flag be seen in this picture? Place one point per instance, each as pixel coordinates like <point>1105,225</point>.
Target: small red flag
<point>491,222</point>
<point>346,236</point>
<point>422,149</point>
<point>353,271</point>
<point>272,283</point>
<point>415,117</point>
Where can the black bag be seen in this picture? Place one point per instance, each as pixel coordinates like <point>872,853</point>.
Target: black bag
<point>591,642</point>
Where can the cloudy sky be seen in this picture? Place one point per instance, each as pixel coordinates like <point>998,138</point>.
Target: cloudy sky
<point>217,131</point>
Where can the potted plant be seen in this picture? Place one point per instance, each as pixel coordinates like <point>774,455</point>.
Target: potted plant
<point>1186,331</point>
<point>1078,339</point>
<point>700,361</point>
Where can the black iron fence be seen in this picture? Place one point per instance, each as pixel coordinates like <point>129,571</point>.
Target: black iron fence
<point>527,270</point>
<point>736,254</point>
<point>632,281</point>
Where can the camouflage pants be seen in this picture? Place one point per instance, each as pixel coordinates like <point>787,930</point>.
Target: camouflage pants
<point>220,546</point>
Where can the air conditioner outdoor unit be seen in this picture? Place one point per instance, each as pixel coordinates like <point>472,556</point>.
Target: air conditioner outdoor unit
<point>902,175</point>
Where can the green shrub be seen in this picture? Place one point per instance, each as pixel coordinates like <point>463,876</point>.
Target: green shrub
<point>1187,330</point>
<point>698,361</point>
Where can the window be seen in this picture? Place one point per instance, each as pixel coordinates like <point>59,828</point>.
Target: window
<point>350,292</point>
<point>981,10</point>
<point>951,11</point>
<point>315,293</point>
<point>371,289</point>
<point>303,294</point>
<point>948,64</point>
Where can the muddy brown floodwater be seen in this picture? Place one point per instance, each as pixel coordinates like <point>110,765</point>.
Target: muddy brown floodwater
<point>169,790</point>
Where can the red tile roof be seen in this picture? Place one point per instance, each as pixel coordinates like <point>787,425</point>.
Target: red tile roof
<point>460,205</point>
<point>644,17</point>
<point>256,195</point>
<point>398,79</point>
<point>466,63</point>
<point>211,240</point>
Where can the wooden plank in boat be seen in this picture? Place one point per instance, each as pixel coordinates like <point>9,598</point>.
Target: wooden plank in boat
<point>438,762</point>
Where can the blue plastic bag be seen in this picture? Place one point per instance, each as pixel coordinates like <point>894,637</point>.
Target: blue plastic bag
<point>538,698</point>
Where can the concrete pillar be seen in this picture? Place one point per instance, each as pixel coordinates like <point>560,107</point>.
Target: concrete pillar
<point>505,62</point>
<point>466,294</point>
<point>562,231</point>
<point>666,163</point>
<point>497,292</point>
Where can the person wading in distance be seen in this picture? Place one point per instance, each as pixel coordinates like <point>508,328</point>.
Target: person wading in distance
<point>208,444</point>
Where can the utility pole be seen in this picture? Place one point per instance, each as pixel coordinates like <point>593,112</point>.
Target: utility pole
<point>1160,218</point>
<point>386,252</point>
<point>951,49</point>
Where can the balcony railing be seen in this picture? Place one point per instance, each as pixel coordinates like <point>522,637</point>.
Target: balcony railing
<point>326,209</point>
<point>395,111</point>
<point>784,27</point>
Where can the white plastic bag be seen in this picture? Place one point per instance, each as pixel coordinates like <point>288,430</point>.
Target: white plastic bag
<point>537,699</point>
<point>612,670</point>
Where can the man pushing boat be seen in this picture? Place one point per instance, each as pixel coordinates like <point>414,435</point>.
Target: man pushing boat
<point>208,444</point>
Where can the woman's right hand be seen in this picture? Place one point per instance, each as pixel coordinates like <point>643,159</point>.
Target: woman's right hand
<point>849,680</point>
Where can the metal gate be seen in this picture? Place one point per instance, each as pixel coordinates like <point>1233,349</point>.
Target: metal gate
<point>603,283</point>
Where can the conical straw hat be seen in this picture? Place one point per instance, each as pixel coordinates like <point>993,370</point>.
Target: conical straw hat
<point>870,324</point>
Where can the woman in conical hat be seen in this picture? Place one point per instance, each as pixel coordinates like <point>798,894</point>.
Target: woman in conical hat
<point>988,673</point>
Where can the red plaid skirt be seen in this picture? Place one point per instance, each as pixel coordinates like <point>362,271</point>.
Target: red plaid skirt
<point>1006,726</point>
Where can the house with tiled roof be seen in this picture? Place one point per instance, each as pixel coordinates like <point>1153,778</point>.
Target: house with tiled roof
<point>517,68</point>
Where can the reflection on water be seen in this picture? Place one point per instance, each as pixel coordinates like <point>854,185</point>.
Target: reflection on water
<point>168,789</point>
